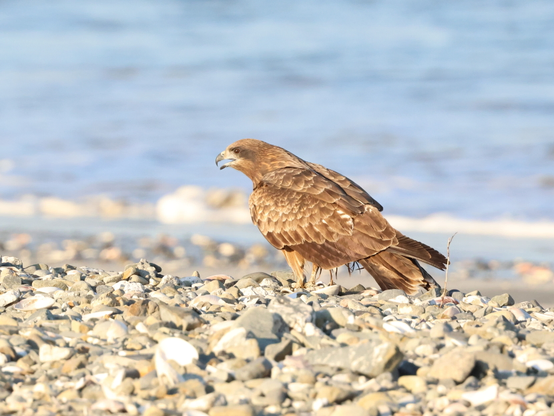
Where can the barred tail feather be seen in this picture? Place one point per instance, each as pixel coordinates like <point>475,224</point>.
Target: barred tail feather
<point>394,271</point>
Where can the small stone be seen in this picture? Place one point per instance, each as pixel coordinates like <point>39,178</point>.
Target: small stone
<point>7,349</point>
<point>232,410</point>
<point>258,277</point>
<point>67,395</point>
<point>246,282</point>
<point>74,363</point>
<point>274,389</point>
<point>9,279</point>
<point>505,314</point>
<point>440,329</point>
<point>483,396</point>
<point>543,386</point>
<point>371,358</point>
<point>348,410</point>
<point>128,287</point>
<point>153,411</point>
<point>80,287</point>
<point>138,279</point>
<point>240,343</point>
<point>11,296</point>
<point>456,365</point>
<point>539,338</point>
<point>141,307</point>
<point>294,312</point>
<point>489,360</point>
<point>59,283</point>
<point>449,312</point>
<point>337,316</point>
<point>6,320</point>
<point>49,353</point>
<point>520,382</point>
<point>184,318</point>
<point>414,384</point>
<point>130,270</point>
<point>430,294</point>
<point>40,315</point>
<point>278,352</point>
<point>503,300</point>
<point>372,400</point>
<point>387,295</point>
<point>116,330</point>
<point>333,394</point>
<point>258,368</point>
<point>266,327</point>
<point>213,285</point>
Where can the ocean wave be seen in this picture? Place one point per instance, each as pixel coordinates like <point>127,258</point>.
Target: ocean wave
<point>196,205</point>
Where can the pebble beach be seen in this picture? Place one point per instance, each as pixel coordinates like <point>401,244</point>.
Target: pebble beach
<point>83,340</point>
<point>132,280</point>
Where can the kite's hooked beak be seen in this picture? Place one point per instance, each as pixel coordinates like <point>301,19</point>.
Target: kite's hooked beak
<point>221,157</point>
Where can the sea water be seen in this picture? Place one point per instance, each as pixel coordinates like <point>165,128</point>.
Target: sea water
<point>431,106</point>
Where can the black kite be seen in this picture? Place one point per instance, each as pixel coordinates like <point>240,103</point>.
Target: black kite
<point>315,214</point>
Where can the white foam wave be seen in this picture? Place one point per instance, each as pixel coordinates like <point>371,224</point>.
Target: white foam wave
<point>444,223</point>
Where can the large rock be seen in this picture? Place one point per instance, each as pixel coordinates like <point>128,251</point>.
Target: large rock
<point>487,360</point>
<point>258,368</point>
<point>503,300</point>
<point>543,386</point>
<point>294,312</point>
<point>184,318</point>
<point>371,358</point>
<point>456,365</point>
<point>267,327</point>
<point>338,316</point>
<point>239,342</point>
<point>539,337</point>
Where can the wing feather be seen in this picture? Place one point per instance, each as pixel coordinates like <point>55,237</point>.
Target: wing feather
<point>349,186</point>
<point>301,210</point>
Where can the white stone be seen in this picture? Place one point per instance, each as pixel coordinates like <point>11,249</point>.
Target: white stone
<point>191,279</point>
<point>520,314</point>
<point>332,290</point>
<point>233,338</point>
<point>116,330</point>
<point>178,350</point>
<point>400,299</point>
<point>398,326</point>
<point>175,349</point>
<point>479,397</point>
<point>9,297</point>
<point>211,299</point>
<point>127,287</point>
<point>97,315</point>
<point>49,353</point>
<point>34,303</point>
<point>541,365</point>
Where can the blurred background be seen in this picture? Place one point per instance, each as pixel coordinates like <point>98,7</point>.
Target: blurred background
<point>112,113</point>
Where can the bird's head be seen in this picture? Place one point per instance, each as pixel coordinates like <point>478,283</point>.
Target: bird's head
<point>241,154</point>
<point>255,158</point>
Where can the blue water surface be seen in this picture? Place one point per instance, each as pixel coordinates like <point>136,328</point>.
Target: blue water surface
<point>432,106</point>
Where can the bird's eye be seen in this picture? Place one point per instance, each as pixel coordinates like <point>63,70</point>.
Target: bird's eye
<point>236,150</point>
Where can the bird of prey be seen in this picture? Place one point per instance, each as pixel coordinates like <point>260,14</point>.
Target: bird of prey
<point>312,213</point>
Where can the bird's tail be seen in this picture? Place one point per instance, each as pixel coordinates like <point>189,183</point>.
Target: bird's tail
<point>418,251</point>
<point>394,271</point>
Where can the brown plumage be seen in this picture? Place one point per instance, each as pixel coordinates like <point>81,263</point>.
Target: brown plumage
<point>315,214</point>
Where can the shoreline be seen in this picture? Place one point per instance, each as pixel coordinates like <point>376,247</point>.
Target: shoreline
<point>146,343</point>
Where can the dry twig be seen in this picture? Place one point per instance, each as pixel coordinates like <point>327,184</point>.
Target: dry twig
<point>446,271</point>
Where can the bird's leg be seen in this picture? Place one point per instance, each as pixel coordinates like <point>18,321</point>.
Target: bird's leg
<point>331,277</point>
<point>296,263</point>
<point>300,282</point>
<point>315,271</point>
